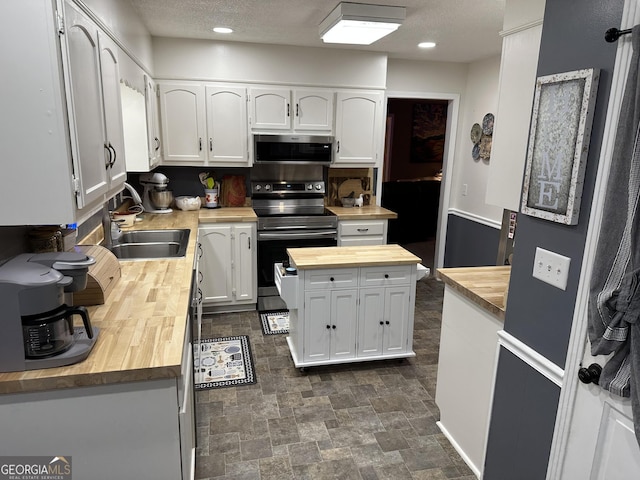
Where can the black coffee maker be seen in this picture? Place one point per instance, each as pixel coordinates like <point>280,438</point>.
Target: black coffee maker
<point>37,327</point>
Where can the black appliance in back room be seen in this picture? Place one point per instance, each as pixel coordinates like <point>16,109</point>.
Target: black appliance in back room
<point>288,186</point>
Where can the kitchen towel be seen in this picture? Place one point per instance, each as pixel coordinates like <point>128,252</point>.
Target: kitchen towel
<point>614,298</point>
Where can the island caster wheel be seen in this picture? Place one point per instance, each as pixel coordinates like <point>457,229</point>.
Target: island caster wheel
<point>303,369</point>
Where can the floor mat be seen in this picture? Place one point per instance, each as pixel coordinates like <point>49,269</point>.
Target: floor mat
<point>274,323</point>
<point>223,362</point>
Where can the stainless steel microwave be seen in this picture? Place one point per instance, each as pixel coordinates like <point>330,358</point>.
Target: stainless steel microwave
<point>299,149</point>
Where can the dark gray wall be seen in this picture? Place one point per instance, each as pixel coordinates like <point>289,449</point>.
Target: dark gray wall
<point>522,422</point>
<point>525,404</point>
<point>470,244</point>
<point>539,314</point>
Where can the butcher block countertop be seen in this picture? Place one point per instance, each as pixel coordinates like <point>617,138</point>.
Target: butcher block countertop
<point>227,214</point>
<point>142,324</point>
<point>368,212</point>
<point>352,256</point>
<point>485,286</point>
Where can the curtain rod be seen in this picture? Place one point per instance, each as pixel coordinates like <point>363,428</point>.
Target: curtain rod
<point>613,34</point>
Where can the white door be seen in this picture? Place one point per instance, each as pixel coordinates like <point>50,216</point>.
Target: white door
<point>313,110</point>
<point>317,325</point>
<point>344,314</point>
<point>602,444</point>
<point>358,128</point>
<point>396,319</point>
<point>227,139</point>
<point>271,108</point>
<point>370,321</point>
<point>244,262</point>
<point>112,110</point>
<point>215,264</point>
<point>182,108</point>
<point>83,69</point>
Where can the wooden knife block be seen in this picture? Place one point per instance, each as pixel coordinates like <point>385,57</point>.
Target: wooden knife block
<point>102,277</point>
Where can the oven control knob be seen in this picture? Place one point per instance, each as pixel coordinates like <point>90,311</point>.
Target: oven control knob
<point>267,187</point>
<point>257,188</point>
<point>309,186</point>
<point>318,186</point>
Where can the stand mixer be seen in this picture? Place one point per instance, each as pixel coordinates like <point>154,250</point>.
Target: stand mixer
<point>156,198</point>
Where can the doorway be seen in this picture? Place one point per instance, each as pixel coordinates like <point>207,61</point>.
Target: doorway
<point>417,140</point>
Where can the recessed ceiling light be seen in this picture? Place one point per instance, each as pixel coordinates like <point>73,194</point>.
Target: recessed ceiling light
<point>427,44</point>
<point>222,30</point>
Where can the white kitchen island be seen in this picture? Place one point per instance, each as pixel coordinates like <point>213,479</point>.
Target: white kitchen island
<point>349,304</point>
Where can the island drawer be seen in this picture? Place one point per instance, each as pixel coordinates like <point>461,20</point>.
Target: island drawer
<point>384,276</point>
<point>331,278</point>
<point>287,286</point>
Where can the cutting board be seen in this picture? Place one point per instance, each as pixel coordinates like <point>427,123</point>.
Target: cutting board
<point>234,191</point>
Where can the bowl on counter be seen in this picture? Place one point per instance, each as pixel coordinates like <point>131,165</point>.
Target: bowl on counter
<point>348,201</point>
<point>161,198</point>
<point>188,203</point>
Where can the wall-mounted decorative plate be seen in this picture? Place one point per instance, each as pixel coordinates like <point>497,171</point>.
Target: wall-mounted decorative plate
<point>487,124</point>
<point>476,133</point>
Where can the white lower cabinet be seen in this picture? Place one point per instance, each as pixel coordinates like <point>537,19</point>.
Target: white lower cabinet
<point>135,429</point>
<point>228,265</point>
<point>349,314</point>
<point>362,232</point>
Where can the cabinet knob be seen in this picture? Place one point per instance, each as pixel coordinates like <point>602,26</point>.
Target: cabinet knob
<point>331,279</point>
<point>591,374</point>
<point>387,322</point>
<point>328,327</point>
<point>386,275</point>
<point>381,322</point>
<point>333,326</point>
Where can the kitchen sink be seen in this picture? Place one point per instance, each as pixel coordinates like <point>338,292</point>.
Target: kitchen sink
<point>144,244</point>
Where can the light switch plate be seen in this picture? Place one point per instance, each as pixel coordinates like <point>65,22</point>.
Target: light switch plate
<point>551,268</point>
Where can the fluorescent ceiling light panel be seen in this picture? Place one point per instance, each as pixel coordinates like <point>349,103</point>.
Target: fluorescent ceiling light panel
<point>360,24</point>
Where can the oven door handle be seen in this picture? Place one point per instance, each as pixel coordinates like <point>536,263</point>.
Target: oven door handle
<point>295,235</point>
<point>302,227</point>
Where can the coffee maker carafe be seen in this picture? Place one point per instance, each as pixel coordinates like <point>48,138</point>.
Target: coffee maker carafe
<point>37,324</point>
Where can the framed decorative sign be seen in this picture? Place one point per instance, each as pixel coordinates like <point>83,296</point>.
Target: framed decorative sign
<point>558,145</point>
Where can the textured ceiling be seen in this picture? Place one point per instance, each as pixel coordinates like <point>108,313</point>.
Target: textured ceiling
<point>465,30</point>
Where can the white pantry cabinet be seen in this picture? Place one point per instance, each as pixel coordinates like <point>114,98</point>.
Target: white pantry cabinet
<point>342,315</point>
<point>228,265</point>
<point>204,125</point>
<point>359,128</point>
<point>273,109</point>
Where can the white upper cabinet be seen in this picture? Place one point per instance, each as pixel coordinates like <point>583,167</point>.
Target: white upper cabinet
<point>114,137</point>
<point>153,122</point>
<point>204,125</point>
<point>270,108</point>
<point>359,123</point>
<point>91,154</point>
<point>227,136</point>
<point>182,109</point>
<point>311,110</point>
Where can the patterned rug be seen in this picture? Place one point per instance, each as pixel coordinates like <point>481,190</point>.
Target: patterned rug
<point>223,362</point>
<point>274,323</point>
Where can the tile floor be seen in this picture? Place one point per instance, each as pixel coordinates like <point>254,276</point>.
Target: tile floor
<point>366,421</point>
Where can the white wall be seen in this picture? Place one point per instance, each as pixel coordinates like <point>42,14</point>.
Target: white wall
<point>192,59</point>
<point>480,98</point>
<point>122,20</point>
<point>431,77</point>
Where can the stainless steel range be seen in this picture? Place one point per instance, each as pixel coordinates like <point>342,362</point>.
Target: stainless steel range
<point>291,213</point>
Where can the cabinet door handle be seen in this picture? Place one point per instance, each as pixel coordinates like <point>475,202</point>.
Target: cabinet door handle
<point>200,251</point>
<point>157,143</point>
<point>211,144</point>
<point>297,110</point>
<point>338,151</point>
<point>107,162</point>
<point>249,242</point>
<point>288,112</point>
<point>115,156</point>
<point>200,276</point>
<point>199,295</point>
<point>200,143</point>
<point>363,229</point>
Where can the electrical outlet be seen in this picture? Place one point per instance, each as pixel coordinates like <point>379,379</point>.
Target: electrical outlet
<point>551,268</point>
<point>464,189</point>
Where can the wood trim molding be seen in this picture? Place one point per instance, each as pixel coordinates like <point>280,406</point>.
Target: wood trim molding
<point>528,355</point>
<point>520,28</point>
<point>577,340</point>
<point>475,218</point>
